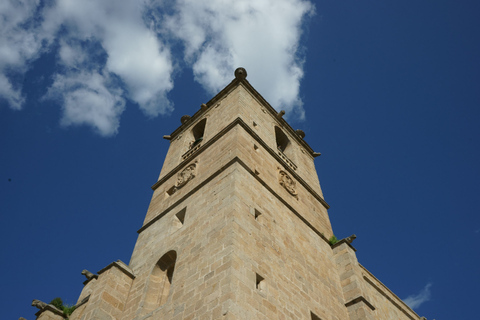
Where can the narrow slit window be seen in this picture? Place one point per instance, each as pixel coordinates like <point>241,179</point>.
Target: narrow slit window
<point>257,214</point>
<point>179,219</point>
<point>259,282</point>
<point>181,216</point>
<point>171,191</point>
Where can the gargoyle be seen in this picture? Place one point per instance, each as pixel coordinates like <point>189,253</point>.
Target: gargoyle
<point>88,274</point>
<point>351,238</point>
<point>39,304</point>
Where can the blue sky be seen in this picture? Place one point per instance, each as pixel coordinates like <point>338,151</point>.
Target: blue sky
<point>388,92</point>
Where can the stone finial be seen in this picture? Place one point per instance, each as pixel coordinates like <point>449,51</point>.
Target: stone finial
<point>89,275</point>
<point>203,106</point>
<point>39,304</point>
<point>22,318</point>
<point>184,119</point>
<point>351,238</point>
<point>300,133</point>
<point>240,73</point>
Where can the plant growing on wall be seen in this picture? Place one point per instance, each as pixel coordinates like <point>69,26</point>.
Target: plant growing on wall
<point>67,309</point>
<point>332,240</point>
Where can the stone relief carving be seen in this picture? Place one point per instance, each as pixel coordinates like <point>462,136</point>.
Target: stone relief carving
<point>186,175</point>
<point>287,182</point>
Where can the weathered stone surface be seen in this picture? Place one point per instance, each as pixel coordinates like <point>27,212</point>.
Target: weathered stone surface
<point>237,228</point>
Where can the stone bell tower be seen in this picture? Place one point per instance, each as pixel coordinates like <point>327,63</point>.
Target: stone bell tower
<point>237,228</point>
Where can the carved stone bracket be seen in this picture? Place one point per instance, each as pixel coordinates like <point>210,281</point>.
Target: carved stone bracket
<point>287,182</point>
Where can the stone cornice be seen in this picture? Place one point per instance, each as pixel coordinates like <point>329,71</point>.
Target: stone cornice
<point>88,280</point>
<point>360,299</point>
<point>215,174</point>
<point>84,300</point>
<point>403,307</point>
<point>257,96</point>
<point>121,266</point>
<point>239,121</point>
<point>340,242</point>
<point>51,308</point>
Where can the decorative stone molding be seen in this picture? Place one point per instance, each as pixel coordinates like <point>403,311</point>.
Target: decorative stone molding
<point>240,73</point>
<point>183,177</point>
<point>387,293</point>
<point>286,159</point>
<point>287,182</point>
<point>191,150</point>
<point>84,300</point>
<point>300,133</point>
<point>121,266</point>
<point>344,241</point>
<point>184,119</point>
<point>267,148</point>
<point>186,175</point>
<point>360,299</point>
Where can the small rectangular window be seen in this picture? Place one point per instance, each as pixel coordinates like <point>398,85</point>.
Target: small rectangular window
<point>257,214</point>
<point>171,191</point>
<point>181,215</point>
<point>260,282</point>
<point>178,220</point>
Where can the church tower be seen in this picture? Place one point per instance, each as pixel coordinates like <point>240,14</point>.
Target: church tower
<point>237,228</point>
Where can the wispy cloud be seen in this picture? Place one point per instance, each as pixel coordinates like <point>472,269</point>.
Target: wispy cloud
<point>19,45</point>
<point>415,300</point>
<point>113,50</point>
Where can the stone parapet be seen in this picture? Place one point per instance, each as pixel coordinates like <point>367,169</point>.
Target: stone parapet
<point>49,312</point>
<point>108,293</point>
<point>356,296</point>
<point>389,305</point>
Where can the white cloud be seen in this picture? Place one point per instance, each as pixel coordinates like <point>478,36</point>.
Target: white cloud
<point>262,36</point>
<point>132,51</point>
<point>415,300</point>
<point>13,96</point>
<point>88,98</point>
<point>19,44</point>
<point>129,41</point>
